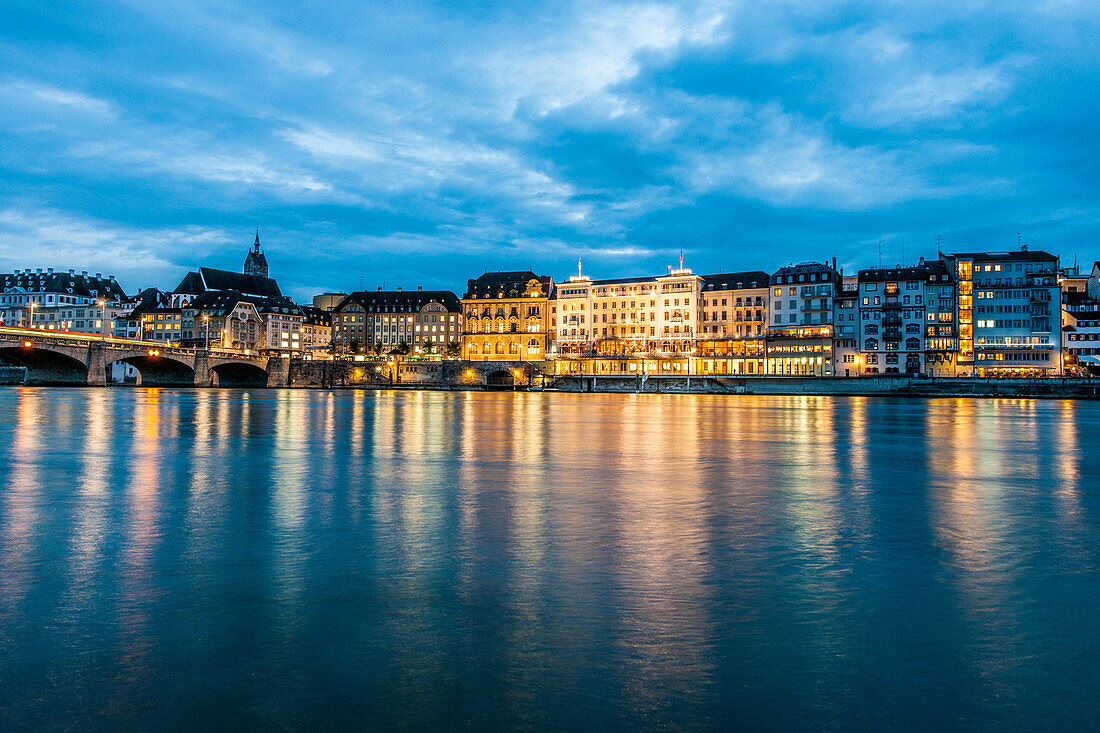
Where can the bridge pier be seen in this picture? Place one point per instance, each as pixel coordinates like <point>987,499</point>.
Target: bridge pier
<point>97,365</point>
<point>202,369</point>
<point>278,372</point>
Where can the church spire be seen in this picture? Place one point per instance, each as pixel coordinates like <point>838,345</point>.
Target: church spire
<point>256,245</point>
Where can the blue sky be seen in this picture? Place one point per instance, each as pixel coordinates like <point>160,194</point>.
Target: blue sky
<point>421,143</point>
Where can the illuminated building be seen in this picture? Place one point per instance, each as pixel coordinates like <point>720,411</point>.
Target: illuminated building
<point>1009,313</point>
<point>800,331</point>
<point>507,316</point>
<point>624,317</point>
<point>846,328</point>
<point>427,321</point>
<point>60,301</point>
<point>898,308</point>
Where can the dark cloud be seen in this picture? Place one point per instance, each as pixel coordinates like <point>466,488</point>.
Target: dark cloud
<point>421,143</point>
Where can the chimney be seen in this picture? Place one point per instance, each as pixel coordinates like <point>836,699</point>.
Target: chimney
<point>112,277</point>
<point>922,260</point>
<point>1023,248</point>
<point>49,270</point>
<point>37,272</point>
<point>399,288</point>
<point>72,271</point>
<point>99,276</point>
<point>84,273</point>
<point>420,288</point>
<point>380,288</point>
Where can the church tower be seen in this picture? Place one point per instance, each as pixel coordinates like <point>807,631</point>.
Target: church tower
<point>256,263</point>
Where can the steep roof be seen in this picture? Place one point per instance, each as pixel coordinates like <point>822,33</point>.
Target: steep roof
<point>316,316</point>
<point>208,278</point>
<point>224,301</point>
<point>736,280</point>
<point>400,301</point>
<point>63,283</point>
<point>493,284</point>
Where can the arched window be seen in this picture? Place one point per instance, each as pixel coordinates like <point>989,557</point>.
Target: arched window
<point>500,347</point>
<point>912,344</point>
<point>513,348</point>
<point>870,344</point>
<point>533,346</point>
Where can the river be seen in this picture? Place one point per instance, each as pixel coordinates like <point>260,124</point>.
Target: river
<point>278,558</point>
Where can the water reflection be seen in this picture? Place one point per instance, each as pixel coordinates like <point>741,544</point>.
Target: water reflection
<point>617,560</point>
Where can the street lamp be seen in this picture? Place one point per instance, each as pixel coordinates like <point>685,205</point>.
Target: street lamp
<point>102,317</point>
<point>206,329</point>
<point>32,305</point>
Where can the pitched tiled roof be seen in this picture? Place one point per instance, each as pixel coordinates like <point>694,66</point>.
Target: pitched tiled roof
<point>61,282</point>
<point>510,284</point>
<point>400,301</point>
<point>208,278</point>
<point>736,280</point>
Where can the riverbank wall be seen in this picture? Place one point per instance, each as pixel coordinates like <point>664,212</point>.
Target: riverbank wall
<point>774,385</point>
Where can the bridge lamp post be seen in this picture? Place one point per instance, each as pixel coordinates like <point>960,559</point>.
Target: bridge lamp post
<point>102,317</point>
<point>32,305</point>
<point>206,329</point>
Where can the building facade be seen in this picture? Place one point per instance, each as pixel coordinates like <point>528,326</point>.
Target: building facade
<point>627,316</point>
<point>60,301</point>
<point>800,334</point>
<point>1009,313</point>
<point>507,316</point>
<point>904,319</point>
<point>426,321</point>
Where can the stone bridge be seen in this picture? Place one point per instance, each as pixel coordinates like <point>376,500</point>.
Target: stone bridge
<point>69,359</point>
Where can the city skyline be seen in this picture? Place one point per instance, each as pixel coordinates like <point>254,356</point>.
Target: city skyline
<point>407,145</point>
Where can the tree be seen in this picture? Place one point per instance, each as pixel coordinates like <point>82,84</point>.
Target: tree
<point>377,347</point>
<point>353,345</point>
<point>454,349</point>
<point>402,348</point>
<point>429,347</point>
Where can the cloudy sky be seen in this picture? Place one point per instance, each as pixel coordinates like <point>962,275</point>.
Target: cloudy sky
<point>421,143</point>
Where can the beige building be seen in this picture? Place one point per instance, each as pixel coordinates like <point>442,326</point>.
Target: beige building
<point>427,321</point>
<point>627,316</point>
<point>507,316</point>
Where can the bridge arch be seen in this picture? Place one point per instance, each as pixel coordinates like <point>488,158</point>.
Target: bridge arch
<point>160,371</point>
<point>237,374</point>
<point>500,378</point>
<point>46,366</point>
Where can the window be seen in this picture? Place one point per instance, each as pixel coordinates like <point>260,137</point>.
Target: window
<point>870,344</point>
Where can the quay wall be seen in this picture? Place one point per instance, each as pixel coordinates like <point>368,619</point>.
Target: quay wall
<point>775,385</point>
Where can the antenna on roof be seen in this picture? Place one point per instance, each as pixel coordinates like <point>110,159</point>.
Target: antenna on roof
<point>903,251</point>
<point>880,254</point>
<point>939,244</point>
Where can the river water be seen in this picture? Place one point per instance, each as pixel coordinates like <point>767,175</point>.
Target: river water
<point>199,558</point>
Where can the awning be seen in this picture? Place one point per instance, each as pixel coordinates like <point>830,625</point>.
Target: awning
<point>1089,359</point>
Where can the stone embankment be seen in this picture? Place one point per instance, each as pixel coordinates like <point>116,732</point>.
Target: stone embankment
<point>883,385</point>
